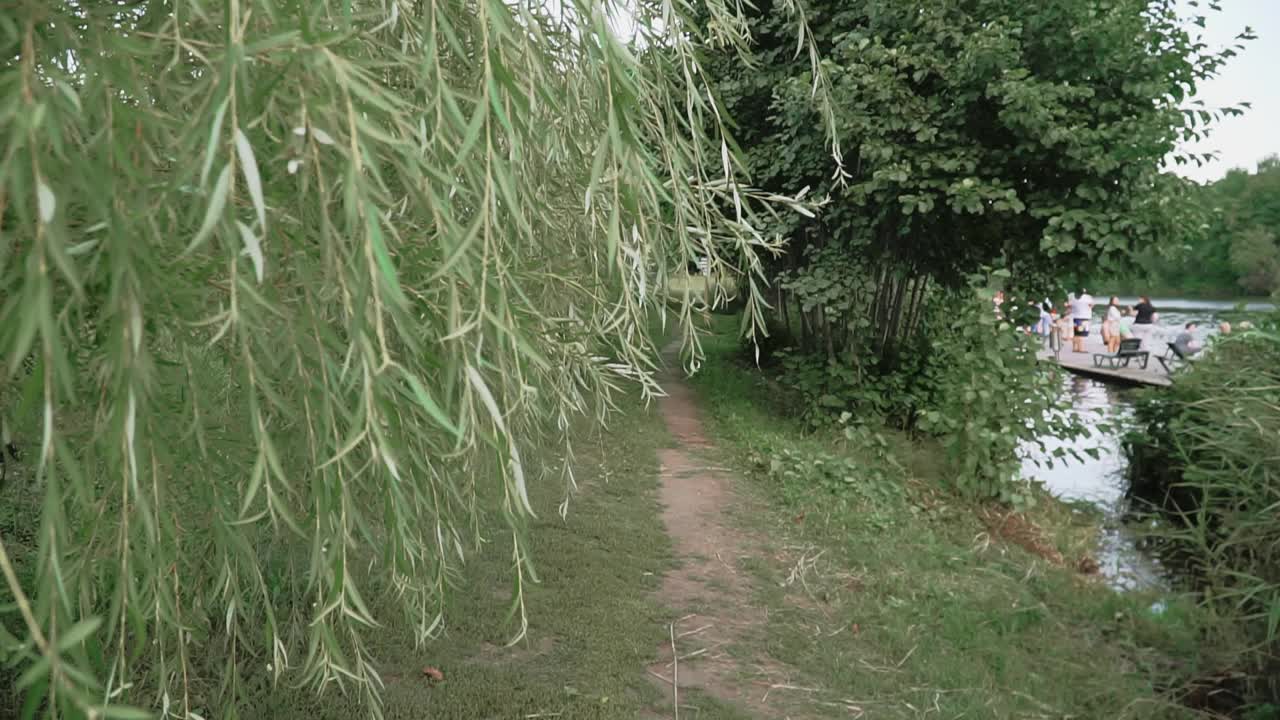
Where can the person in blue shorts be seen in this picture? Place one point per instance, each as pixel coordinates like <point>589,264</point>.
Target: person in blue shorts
<point>1081,315</point>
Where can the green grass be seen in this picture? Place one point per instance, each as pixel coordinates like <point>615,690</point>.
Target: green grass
<point>594,621</point>
<point>882,594</point>
<point>889,595</point>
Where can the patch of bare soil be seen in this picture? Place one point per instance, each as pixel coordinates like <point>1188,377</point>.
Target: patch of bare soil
<point>713,601</point>
<point>1014,527</point>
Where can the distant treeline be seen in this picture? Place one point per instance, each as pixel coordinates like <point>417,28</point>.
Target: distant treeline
<point>1236,250</point>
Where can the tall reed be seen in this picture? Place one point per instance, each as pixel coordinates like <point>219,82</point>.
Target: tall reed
<point>1207,454</point>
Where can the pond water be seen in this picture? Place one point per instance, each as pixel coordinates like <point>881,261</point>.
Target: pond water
<point>1174,313</point>
<point>1100,481</point>
<point>1198,306</point>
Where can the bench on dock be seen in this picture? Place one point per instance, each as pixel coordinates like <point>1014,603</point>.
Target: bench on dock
<point>1130,349</point>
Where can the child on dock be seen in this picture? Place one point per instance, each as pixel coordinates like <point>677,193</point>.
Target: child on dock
<point>1126,324</point>
<point>1064,326</point>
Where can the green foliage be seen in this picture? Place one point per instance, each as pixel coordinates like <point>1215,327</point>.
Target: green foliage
<point>1204,453</point>
<point>832,388</point>
<point>831,286</point>
<point>873,481</point>
<point>1265,711</point>
<point>1030,135</point>
<point>293,294</point>
<point>988,397</point>
<point>1255,258</point>
<point>973,381</point>
<point>904,601</point>
<point>1247,212</point>
<point>1232,247</point>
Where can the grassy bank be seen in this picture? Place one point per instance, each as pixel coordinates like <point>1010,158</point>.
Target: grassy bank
<point>593,624</point>
<point>904,602</point>
<point>884,595</point>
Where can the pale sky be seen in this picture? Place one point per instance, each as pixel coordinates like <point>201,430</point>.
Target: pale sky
<point>1252,76</point>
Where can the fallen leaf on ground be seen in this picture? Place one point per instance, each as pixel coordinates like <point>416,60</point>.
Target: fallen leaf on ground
<point>433,673</point>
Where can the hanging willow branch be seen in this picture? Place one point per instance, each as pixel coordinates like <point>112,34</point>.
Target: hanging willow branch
<point>291,290</point>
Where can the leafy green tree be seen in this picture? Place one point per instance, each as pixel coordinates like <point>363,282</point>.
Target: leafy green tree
<point>1021,142</point>
<point>1253,199</point>
<point>1255,256</point>
<point>994,131</point>
<point>293,291</point>
<point>1232,249</point>
<point>1251,208</point>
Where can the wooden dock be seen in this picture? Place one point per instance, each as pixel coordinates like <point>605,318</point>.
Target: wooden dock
<point>1082,364</point>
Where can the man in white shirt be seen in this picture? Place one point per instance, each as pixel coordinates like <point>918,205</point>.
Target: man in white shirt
<point>1081,314</point>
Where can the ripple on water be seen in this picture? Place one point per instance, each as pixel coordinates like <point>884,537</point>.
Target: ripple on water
<point>1099,481</point>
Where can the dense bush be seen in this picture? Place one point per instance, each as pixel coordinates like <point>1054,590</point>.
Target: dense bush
<point>971,379</point>
<point>848,382</point>
<point>988,397</point>
<point>1206,454</point>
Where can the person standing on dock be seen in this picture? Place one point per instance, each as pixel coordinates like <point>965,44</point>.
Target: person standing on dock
<point>1081,315</point>
<point>1111,326</point>
<point>1062,326</point>
<point>1144,320</point>
<point>1044,326</point>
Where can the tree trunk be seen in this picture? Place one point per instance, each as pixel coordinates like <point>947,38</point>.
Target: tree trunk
<point>804,329</point>
<point>892,307</point>
<point>782,310</point>
<point>826,333</point>
<point>921,291</point>
<point>878,303</point>
<point>894,331</point>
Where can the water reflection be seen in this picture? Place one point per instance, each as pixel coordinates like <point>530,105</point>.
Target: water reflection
<point>1099,481</point>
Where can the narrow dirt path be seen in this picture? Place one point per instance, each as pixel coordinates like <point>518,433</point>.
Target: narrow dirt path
<point>715,612</point>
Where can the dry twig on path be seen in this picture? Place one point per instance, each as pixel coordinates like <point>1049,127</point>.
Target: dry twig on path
<point>675,672</point>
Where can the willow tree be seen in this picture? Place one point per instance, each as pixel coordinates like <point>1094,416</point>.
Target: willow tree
<point>289,292</point>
